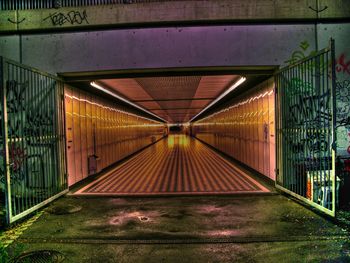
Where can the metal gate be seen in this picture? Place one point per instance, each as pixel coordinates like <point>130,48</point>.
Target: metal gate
<point>305,111</point>
<point>32,157</point>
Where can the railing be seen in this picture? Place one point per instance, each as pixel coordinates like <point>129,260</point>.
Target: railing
<point>32,159</point>
<point>43,4</point>
<point>305,130</point>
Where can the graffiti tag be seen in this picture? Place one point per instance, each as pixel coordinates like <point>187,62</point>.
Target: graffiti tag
<point>72,17</point>
<point>343,91</point>
<point>17,157</point>
<point>342,66</point>
<point>39,125</point>
<point>15,96</point>
<point>16,22</point>
<point>299,54</point>
<point>343,106</point>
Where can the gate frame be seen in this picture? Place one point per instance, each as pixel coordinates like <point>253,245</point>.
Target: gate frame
<point>278,129</point>
<point>4,126</point>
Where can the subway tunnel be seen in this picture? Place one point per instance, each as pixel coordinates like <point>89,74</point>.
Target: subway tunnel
<point>155,146</point>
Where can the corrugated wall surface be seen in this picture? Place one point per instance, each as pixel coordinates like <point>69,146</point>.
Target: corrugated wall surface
<point>245,130</point>
<point>101,129</point>
<point>40,4</point>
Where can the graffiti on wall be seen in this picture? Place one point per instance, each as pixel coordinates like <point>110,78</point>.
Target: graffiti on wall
<point>16,22</point>
<point>343,97</point>
<point>72,17</point>
<point>309,109</point>
<point>342,65</point>
<point>15,96</point>
<point>310,137</point>
<point>39,124</point>
<point>18,157</point>
<point>343,116</point>
<point>300,53</point>
<point>30,134</point>
<point>312,67</point>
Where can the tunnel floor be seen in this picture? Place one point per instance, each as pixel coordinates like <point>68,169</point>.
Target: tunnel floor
<point>175,165</point>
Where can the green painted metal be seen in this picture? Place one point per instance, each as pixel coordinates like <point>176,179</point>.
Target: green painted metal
<point>33,140</point>
<point>305,130</point>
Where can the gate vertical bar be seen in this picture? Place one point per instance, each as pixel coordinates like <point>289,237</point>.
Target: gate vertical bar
<point>63,135</point>
<point>277,128</point>
<point>334,123</point>
<point>6,163</point>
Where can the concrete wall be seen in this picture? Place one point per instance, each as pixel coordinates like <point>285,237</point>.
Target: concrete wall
<point>173,12</point>
<point>158,47</point>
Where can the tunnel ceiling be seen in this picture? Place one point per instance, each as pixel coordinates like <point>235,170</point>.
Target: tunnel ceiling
<point>177,98</point>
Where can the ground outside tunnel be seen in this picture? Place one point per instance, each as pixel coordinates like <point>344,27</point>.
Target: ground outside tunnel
<point>253,228</point>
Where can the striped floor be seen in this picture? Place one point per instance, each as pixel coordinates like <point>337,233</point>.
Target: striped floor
<point>175,165</point>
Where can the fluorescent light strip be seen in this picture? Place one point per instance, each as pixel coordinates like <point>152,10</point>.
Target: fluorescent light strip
<point>237,83</point>
<point>97,86</point>
<point>237,105</point>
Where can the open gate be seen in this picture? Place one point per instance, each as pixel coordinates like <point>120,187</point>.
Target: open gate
<point>305,109</point>
<point>32,157</point>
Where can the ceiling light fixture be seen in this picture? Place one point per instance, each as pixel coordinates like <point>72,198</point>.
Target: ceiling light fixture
<point>97,86</point>
<point>235,85</point>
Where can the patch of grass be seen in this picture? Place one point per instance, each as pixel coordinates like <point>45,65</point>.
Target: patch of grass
<point>4,257</point>
<point>7,254</point>
<point>344,217</point>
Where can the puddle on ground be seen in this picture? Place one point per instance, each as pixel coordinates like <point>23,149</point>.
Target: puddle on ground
<point>177,214</point>
<point>223,233</point>
<point>118,201</point>
<point>206,209</point>
<point>124,218</point>
<point>63,209</point>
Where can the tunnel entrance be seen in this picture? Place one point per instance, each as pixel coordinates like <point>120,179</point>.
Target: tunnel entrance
<point>242,126</point>
<point>112,116</point>
<point>181,160</point>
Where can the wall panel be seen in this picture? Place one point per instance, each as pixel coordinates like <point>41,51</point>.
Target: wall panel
<point>83,135</point>
<point>103,132</point>
<point>76,136</point>
<point>245,129</point>
<point>69,132</point>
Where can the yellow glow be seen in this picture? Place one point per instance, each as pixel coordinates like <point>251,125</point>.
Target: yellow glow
<point>180,140</point>
<point>171,141</point>
<point>184,141</point>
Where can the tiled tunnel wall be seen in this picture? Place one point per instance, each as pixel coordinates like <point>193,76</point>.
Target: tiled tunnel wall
<point>245,129</point>
<point>100,133</point>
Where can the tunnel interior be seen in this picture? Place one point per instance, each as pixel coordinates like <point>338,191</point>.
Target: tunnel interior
<point>170,133</point>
